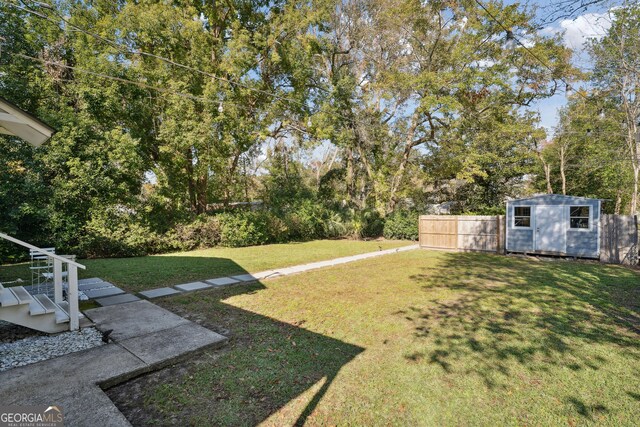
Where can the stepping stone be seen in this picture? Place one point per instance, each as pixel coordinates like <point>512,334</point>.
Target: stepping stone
<point>267,274</point>
<point>245,278</point>
<point>193,286</point>
<point>222,281</point>
<point>89,281</point>
<point>95,285</point>
<point>102,292</point>
<point>160,292</point>
<point>117,299</point>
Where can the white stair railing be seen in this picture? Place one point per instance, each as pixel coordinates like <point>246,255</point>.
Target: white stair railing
<point>72,279</point>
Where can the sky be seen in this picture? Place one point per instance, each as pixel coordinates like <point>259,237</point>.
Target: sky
<point>590,23</point>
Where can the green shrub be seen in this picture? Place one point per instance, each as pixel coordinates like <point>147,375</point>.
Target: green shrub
<point>203,232</point>
<point>401,225</point>
<point>305,221</point>
<point>366,223</point>
<point>334,226</point>
<point>242,229</point>
<point>114,233</point>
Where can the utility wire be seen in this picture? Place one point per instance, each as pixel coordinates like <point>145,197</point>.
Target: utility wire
<point>124,49</point>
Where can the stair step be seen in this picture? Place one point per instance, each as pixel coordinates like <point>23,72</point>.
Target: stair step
<point>61,315</point>
<point>7,298</point>
<point>35,308</point>
<point>64,305</point>
<point>21,294</point>
<point>47,304</point>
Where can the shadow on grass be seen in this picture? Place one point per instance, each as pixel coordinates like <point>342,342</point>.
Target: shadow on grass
<point>267,364</point>
<point>507,313</point>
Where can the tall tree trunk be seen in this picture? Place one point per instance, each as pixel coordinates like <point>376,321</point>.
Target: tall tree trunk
<point>562,174</point>
<point>191,182</point>
<point>547,172</point>
<point>351,188</point>
<point>547,175</point>
<point>618,202</point>
<point>634,195</point>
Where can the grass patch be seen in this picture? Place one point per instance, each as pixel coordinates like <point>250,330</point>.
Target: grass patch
<point>416,338</point>
<point>140,273</point>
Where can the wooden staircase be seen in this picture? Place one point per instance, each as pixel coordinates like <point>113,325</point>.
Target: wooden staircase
<point>33,311</point>
<point>39,311</point>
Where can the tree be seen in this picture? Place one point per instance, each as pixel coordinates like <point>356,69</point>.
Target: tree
<point>588,152</point>
<point>617,75</point>
<point>404,77</point>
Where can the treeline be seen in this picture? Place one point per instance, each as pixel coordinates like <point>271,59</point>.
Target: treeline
<point>343,118</point>
<point>595,150</point>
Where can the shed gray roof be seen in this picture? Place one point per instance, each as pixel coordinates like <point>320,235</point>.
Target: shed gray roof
<point>554,197</point>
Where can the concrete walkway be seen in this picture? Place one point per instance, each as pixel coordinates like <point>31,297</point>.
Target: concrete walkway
<point>145,338</point>
<point>252,277</point>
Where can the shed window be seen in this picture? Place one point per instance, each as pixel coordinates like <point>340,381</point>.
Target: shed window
<point>522,216</point>
<point>579,217</point>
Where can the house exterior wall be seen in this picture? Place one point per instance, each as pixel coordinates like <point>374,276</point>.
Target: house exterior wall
<point>579,242</point>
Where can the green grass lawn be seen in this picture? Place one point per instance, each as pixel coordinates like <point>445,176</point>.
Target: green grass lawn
<point>140,273</point>
<point>415,338</point>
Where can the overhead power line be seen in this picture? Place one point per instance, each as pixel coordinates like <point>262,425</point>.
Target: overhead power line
<point>125,49</point>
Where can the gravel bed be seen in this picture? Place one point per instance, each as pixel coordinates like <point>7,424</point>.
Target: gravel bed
<point>10,332</point>
<point>33,346</point>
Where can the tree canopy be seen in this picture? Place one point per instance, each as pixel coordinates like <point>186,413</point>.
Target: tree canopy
<point>339,112</point>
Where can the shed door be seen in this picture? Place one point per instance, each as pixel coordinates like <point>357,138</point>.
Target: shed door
<point>550,233</point>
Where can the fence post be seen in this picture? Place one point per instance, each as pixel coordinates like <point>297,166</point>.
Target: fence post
<point>501,230</point>
<point>74,311</point>
<point>57,281</point>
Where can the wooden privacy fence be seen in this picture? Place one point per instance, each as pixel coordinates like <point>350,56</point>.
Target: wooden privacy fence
<point>619,239</point>
<point>618,235</point>
<point>462,233</point>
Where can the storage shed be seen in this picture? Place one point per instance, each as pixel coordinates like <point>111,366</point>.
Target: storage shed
<point>554,224</point>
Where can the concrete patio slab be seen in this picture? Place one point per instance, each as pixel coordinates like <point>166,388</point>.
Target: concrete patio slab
<point>193,286</point>
<point>74,382</point>
<point>117,299</point>
<point>102,292</point>
<point>172,341</point>
<point>245,278</point>
<point>222,281</point>
<point>159,292</point>
<point>135,319</point>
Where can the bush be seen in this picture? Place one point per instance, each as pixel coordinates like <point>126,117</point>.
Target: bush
<point>366,224</point>
<point>243,229</point>
<point>334,226</point>
<point>114,233</point>
<point>401,225</point>
<point>304,221</point>
<point>203,232</point>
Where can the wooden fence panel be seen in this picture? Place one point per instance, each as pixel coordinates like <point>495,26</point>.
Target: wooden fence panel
<point>478,233</point>
<point>619,239</point>
<point>466,233</point>
<point>440,232</point>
